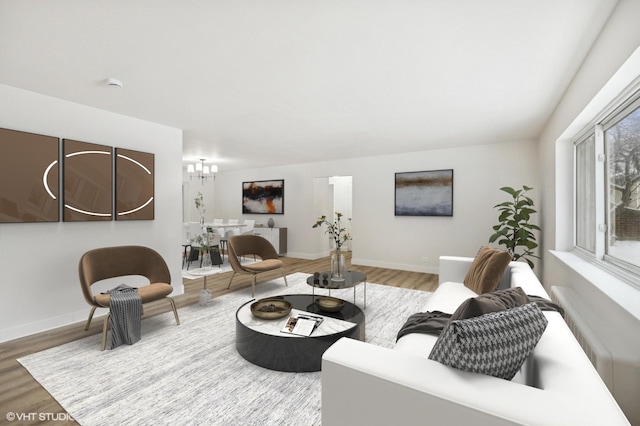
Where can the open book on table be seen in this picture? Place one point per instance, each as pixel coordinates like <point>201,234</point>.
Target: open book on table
<point>302,324</point>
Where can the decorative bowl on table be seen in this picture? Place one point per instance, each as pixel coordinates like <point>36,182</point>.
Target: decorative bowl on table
<point>330,304</point>
<point>270,308</point>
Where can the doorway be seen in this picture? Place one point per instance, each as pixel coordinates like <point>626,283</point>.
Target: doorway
<point>333,194</point>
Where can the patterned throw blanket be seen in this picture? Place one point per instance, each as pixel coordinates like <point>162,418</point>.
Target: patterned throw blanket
<point>434,322</point>
<point>126,315</point>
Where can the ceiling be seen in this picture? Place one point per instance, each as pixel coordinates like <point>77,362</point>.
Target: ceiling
<point>256,83</point>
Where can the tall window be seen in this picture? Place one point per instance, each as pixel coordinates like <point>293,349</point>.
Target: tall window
<point>607,177</point>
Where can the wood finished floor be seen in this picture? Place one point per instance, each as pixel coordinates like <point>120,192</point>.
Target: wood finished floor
<point>20,393</point>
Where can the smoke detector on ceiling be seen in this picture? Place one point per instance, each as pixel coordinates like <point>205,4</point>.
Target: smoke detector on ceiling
<point>112,82</point>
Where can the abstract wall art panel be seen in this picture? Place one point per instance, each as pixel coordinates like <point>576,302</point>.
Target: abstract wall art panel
<point>134,185</point>
<point>263,197</point>
<point>29,177</point>
<point>88,181</point>
<point>428,193</point>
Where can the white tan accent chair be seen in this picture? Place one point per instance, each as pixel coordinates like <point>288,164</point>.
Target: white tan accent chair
<point>121,261</point>
<point>253,245</point>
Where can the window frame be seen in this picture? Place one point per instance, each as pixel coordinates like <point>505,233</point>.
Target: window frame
<point>623,105</point>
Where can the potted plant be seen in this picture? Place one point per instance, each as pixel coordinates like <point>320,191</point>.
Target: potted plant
<point>339,236</point>
<point>514,230</point>
<point>199,201</point>
<point>210,253</point>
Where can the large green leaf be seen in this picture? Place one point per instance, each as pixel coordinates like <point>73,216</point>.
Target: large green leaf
<point>504,206</point>
<point>531,245</point>
<point>505,215</point>
<point>513,192</point>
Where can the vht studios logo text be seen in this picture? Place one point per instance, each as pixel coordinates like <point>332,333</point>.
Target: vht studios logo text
<point>42,417</point>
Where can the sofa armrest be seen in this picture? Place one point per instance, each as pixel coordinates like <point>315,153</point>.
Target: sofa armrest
<point>368,384</point>
<point>453,268</point>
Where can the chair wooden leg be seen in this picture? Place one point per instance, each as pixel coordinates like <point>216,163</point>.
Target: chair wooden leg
<point>253,285</point>
<point>232,275</point>
<point>175,312</point>
<point>86,327</point>
<point>285,277</point>
<point>105,327</point>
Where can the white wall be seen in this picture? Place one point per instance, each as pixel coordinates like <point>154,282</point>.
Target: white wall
<point>379,237</point>
<point>611,65</point>
<point>39,261</point>
<point>599,80</point>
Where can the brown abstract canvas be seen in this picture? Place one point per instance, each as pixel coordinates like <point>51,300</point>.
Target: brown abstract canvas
<point>29,174</point>
<point>134,185</point>
<point>88,181</point>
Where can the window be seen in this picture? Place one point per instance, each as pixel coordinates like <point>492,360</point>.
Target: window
<point>607,179</point>
<point>586,194</point>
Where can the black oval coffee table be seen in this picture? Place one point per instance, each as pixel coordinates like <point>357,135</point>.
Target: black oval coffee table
<point>262,343</point>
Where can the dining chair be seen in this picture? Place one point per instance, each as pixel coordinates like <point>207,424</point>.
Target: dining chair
<point>195,229</point>
<point>248,226</point>
<point>225,234</point>
<point>193,255</point>
<point>233,231</point>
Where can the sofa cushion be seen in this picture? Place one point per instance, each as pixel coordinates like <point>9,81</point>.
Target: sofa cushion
<point>495,301</point>
<point>486,270</point>
<point>448,297</point>
<point>495,344</point>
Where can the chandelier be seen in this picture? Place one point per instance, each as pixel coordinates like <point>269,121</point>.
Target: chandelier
<point>200,171</point>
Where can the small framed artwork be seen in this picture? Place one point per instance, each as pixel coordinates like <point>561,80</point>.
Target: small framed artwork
<point>427,193</point>
<point>263,197</point>
<point>134,185</point>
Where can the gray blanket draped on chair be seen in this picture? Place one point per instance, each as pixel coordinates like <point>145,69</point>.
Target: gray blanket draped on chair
<point>126,315</point>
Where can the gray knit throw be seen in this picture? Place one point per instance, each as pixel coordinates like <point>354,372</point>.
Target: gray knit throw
<point>126,315</point>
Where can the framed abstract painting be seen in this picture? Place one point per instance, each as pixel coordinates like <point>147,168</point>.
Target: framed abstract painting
<point>263,197</point>
<point>427,193</point>
<point>134,185</point>
<point>29,170</point>
<point>88,181</point>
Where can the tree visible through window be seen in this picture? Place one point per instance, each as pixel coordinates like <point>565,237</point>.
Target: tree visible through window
<point>622,142</point>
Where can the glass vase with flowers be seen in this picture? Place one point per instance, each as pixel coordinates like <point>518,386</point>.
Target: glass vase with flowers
<point>340,236</point>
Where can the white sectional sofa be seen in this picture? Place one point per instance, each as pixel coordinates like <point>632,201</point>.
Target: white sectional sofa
<point>364,384</point>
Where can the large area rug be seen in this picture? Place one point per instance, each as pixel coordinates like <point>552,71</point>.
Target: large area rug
<point>192,374</point>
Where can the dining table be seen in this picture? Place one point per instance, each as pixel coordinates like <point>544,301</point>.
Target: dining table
<point>225,226</point>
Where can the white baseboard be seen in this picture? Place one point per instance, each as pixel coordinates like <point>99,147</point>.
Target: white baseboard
<point>399,266</point>
<point>47,324</point>
<point>307,256</point>
<point>367,262</point>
